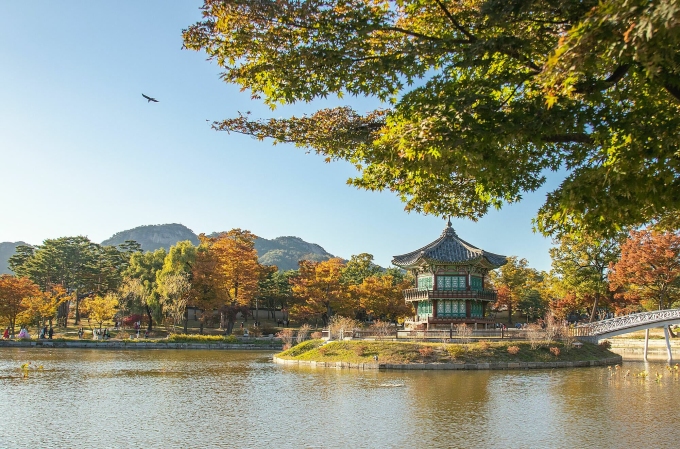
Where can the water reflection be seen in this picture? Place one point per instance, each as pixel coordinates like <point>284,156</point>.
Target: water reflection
<point>95,398</point>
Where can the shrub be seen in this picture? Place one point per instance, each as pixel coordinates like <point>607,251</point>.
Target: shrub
<point>535,335</point>
<point>513,350</point>
<point>286,337</point>
<point>122,335</point>
<point>255,331</point>
<point>193,338</point>
<point>360,350</point>
<point>555,351</point>
<point>341,325</point>
<point>606,344</point>
<point>484,345</point>
<point>316,335</point>
<point>455,351</point>
<point>323,350</point>
<point>464,332</point>
<point>286,346</point>
<point>426,351</point>
<point>303,333</point>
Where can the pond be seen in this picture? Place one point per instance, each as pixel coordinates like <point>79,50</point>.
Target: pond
<point>164,398</point>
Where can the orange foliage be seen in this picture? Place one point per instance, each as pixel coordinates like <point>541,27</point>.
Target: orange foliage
<point>380,296</point>
<point>649,268</point>
<point>318,290</point>
<point>14,297</point>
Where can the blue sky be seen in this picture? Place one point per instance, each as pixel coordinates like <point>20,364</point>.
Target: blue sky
<point>82,153</point>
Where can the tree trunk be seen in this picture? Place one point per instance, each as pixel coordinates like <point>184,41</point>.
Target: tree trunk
<point>77,309</point>
<point>593,313</point>
<point>186,320</point>
<point>230,326</point>
<point>148,313</point>
<point>510,314</point>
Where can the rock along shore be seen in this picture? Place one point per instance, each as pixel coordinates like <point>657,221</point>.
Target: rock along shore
<point>452,366</point>
<point>135,345</point>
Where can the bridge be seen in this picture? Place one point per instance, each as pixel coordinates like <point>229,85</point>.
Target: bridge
<point>599,330</point>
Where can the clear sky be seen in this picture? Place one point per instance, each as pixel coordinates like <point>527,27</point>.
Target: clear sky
<point>82,153</point>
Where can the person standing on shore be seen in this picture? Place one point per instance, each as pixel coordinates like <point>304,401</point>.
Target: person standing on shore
<point>5,334</point>
<point>50,332</point>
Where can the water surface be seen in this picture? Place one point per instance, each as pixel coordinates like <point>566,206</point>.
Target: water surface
<point>168,398</point>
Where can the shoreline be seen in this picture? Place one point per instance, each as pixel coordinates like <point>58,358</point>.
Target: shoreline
<point>452,366</point>
<point>135,345</point>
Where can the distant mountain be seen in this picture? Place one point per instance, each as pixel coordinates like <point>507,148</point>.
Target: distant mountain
<point>6,251</point>
<point>152,237</point>
<point>285,252</point>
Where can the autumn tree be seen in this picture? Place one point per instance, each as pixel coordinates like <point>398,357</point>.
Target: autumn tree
<point>480,98</point>
<point>383,297</point>
<point>101,308</point>
<point>319,291</point>
<point>237,271</point>
<point>206,292</point>
<point>14,297</point>
<point>582,263</point>
<point>44,306</point>
<point>649,269</point>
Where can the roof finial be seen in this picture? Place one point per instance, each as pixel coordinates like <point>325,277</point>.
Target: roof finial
<point>449,225</point>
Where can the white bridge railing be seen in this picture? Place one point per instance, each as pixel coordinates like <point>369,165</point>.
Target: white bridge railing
<point>627,321</point>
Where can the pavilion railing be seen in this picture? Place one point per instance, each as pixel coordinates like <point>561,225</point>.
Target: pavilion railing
<point>419,294</point>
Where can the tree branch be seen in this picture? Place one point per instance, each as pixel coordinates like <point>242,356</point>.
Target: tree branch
<point>412,33</point>
<point>673,90</point>
<point>601,85</point>
<point>569,138</point>
<point>455,22</point>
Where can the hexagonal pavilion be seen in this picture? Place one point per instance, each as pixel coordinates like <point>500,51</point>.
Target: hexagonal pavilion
<point>449,275</point>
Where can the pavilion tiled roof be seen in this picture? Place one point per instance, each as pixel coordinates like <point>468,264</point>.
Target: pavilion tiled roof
<point>448,249</point>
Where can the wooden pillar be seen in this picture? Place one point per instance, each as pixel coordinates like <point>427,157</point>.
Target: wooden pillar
<point>468,308</point>
<point>434,308</point>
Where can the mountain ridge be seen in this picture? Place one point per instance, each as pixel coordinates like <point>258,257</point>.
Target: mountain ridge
<point>284,251</point>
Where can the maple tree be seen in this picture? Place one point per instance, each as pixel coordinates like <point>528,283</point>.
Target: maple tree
<point>14,297</point>
<point>481,98</point>
<point>649,269</point>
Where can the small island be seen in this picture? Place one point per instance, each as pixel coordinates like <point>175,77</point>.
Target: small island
<point>411,355</point>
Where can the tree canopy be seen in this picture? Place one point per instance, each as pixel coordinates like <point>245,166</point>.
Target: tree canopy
<point>482,98</point>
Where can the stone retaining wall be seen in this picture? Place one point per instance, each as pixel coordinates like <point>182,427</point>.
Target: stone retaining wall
<point>126,345</point>
<point>453,366</point>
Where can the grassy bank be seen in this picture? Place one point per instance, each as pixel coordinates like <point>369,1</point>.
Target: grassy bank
<point>358,351</point>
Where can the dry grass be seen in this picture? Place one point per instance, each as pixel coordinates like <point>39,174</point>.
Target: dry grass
<point>413,352</point>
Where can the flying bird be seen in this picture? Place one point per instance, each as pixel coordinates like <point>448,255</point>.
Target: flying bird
<point>150,99</point>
